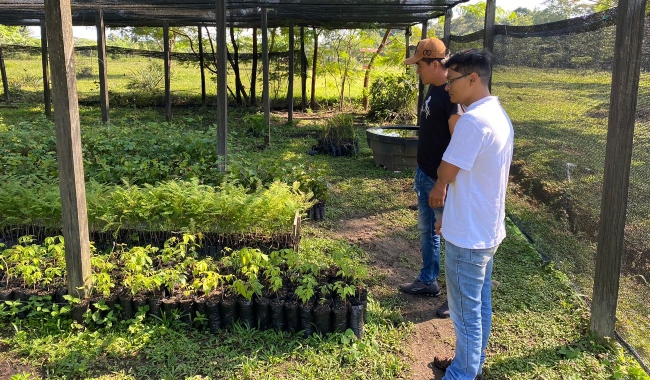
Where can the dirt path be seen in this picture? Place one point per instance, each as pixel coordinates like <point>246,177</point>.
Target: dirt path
<point>399,260</point>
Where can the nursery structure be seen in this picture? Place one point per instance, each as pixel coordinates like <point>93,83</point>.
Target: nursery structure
<point>626,65</point>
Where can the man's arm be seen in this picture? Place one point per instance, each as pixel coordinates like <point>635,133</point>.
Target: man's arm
<point>446,174</point>
<point>453,119</point>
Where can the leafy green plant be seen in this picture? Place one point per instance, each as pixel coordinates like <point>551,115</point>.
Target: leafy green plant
<point>339,129</point>
<point>392,98</point>
<point>344,290</point>
<point>102,281</point>
<point>257,124</point>
<point>305,291</point>
<point>147,79</point>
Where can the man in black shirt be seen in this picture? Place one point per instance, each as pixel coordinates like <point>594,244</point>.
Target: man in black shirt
<point>438,117</point>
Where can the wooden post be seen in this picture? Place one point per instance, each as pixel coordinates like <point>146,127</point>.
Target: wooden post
<point>47,95</point>
<point>167,55</point>
<point>58,20</point>
<point>201,63</point>
<point>407,42</point>
<point>447,33</point>
<point>290,85</point>
<point>420,84</point>
<point>101,60</point>
<point>490,12</point>
<point>3,73</point>
<point>222,83</point>
<point>488,38</point>
<point>254,70</point>
<point>303,69</point>
<point>618,156</point>
<point>265,63</point>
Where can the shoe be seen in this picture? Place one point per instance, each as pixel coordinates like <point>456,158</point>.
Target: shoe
<point>443,310</point>
<point>419,287</point>
<point>442,362</point>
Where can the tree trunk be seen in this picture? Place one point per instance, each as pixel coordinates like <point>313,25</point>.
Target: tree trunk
<point>366,78</point>
<point>342,94</point>
<point>234,62</point>
<point>313,104</point>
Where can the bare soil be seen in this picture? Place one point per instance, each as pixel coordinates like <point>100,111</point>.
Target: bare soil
<point>398,259</point>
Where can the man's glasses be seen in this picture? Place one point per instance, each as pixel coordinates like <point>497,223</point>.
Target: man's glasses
<point>450,81</point>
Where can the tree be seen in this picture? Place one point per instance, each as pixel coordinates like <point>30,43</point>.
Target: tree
<point>15,35</point>
<point>366,78</point>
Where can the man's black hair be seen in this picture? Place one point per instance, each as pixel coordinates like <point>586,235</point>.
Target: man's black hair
<point>472,61</point>
<point>428,61</point>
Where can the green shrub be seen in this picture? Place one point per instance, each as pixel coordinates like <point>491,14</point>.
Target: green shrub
<point>392,98</point>
<point>339,129</point>
<point>147,79</point>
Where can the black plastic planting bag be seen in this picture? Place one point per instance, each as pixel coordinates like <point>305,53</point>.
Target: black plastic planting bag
<point>126,302</point>
<point>6,294</point>
<point>155,306</point>
<point>138,302</point>
<point>168,307</point>
<point>262,313</point>
<point>228,311</point>
<point>199,309</point>
<point>306,319</point>
<point>213,313</point>
<point>61,293</point>
<point>187,310</point>
<point>356,320</point>
<point>277,314</point>
<point>293,315</point>
<point>322,317</point>
<point>339,316</point>
<point>246,311</point>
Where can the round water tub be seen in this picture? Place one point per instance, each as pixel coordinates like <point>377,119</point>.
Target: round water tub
<point>394,147</point>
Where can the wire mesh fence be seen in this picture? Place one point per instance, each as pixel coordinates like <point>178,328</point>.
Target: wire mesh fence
<point>556,88</point>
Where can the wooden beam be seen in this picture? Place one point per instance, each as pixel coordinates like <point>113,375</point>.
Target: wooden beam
<point>58,20</point>
<point>222,83</point>
<point>618,157</point>
<point>102,64</point>
<point>168,61</point>
<point>290,85</point>
<point>47,94</point>
<point>447,31</point>
<point>265,63</point>
<point>202,66</point>
<point>3,74</point>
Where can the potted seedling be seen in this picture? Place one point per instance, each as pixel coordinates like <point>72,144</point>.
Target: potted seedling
<point>338,137</point>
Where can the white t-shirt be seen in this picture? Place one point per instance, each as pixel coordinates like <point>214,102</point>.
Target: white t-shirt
<point>481,147</point>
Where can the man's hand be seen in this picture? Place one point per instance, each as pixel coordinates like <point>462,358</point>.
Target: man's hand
<point>437,195</point>
<point>438,225</point>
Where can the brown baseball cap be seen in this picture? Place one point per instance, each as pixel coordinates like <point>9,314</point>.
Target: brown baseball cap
<point>428,48</point>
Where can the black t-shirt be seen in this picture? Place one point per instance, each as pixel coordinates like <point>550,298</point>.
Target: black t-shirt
<point>434,129</point>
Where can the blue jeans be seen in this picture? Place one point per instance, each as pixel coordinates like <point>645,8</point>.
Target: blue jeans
<point>469,290</point>
<point>429,241</point>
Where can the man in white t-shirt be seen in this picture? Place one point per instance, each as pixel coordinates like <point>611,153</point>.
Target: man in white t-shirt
<point>472,182</point>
